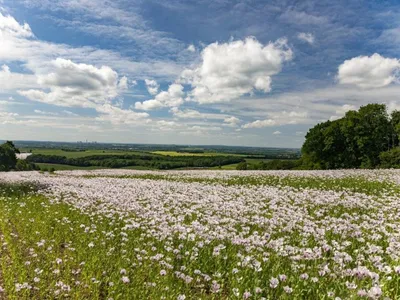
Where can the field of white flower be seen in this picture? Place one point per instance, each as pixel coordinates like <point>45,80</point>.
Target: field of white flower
<point>119,234</point>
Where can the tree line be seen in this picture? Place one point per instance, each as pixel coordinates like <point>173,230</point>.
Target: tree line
<point>367,138</point>
<point>153,161</point>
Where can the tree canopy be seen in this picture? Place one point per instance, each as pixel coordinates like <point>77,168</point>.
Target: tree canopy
<point>8,158</point>
<point>355,141</point>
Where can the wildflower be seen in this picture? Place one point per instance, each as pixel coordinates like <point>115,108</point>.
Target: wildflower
<point>125,279</point>
<point>287,289</point>
<point>273,282</point>
<point>375,292</point>
<point>91,245</point>
<point>362,293</point>
<point>246,295</point>
<point>215,287</point>
<point>163,272</point>
<point>304,276</point>
<point>181,297</point>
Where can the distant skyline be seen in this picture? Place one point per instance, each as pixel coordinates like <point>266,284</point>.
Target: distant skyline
<point>242,73</point>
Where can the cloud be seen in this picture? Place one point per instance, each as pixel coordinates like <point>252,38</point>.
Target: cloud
<point>369,72</point>
<point>232,121</point>
<point>10,27</point>
<point>280,118</point>
<point>306,37</point>
<point>72,84</point>
<point>171,98</point>
<point>194,114</point>
<point>342,110</point>
<point>12,81</point>
<point>277,132</point>
<point>152,86</point>
<point>233,69</point>
<point>45,113</point>
<point>113,21</point>
<point>302,18</point>
<point>390,37</point>
<point>6,117</point>
<point>19,44</point>
<point>191,48</point>
<point>118,116</point>
<point>260,124</point>
<point>123,83</point>
<point>70,113</point>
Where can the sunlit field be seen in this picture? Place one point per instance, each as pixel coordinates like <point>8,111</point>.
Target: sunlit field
<point>125,234</point>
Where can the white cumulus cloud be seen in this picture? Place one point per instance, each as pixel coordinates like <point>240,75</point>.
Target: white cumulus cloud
<point>260,124</point>
<point>373,71</point>
<point>171,98</point>
<point>152,86</point>
<point>73,84</point>
<point>233,69</point>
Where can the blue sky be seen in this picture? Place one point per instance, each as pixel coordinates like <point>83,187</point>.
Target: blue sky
<point>257,73</point>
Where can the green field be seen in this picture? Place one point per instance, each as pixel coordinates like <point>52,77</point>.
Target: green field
<point>175,153</point>
<point>77,154</point>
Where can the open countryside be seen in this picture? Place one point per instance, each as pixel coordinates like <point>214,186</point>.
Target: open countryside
<point>203,149</point>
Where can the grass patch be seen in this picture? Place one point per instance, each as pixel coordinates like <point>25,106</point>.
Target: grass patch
<point>175,153</point>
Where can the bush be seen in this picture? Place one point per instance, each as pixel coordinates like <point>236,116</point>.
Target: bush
<point>242,166</point>
<point>23,165</point>
<point>390,159</point>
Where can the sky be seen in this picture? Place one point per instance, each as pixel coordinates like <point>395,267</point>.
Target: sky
<point>222,72</point>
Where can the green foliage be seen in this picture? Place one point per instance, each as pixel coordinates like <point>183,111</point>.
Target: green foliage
<point>8,158</point>
<point>390,159</point>
<point>24,165</point>
<point>354,141</point>
<point>278,164</point>
<point>152,161</point>
<point>242,166</point>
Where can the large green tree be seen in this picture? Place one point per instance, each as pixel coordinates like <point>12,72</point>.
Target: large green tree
<point>354,141</point>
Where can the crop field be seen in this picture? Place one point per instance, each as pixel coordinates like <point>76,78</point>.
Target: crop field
<point>128,234</point>
<point>176,153</point>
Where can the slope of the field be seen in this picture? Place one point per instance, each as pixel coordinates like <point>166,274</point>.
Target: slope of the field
<point>126,234</point>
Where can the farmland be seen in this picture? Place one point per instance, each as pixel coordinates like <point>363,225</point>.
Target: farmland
<point>124,234</point>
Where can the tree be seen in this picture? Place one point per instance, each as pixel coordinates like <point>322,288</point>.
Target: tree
<point>354,141</point>
<point>8,158</point>
<point>395,124</point>
<point>373,133</point>
<point>242,166</point>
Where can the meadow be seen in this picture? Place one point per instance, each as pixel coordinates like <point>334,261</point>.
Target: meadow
<point>126,234</point>
<point>182,153</point>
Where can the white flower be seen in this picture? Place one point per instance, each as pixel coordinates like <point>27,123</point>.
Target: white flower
<point>125,279</point>
<point>273,282</point>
